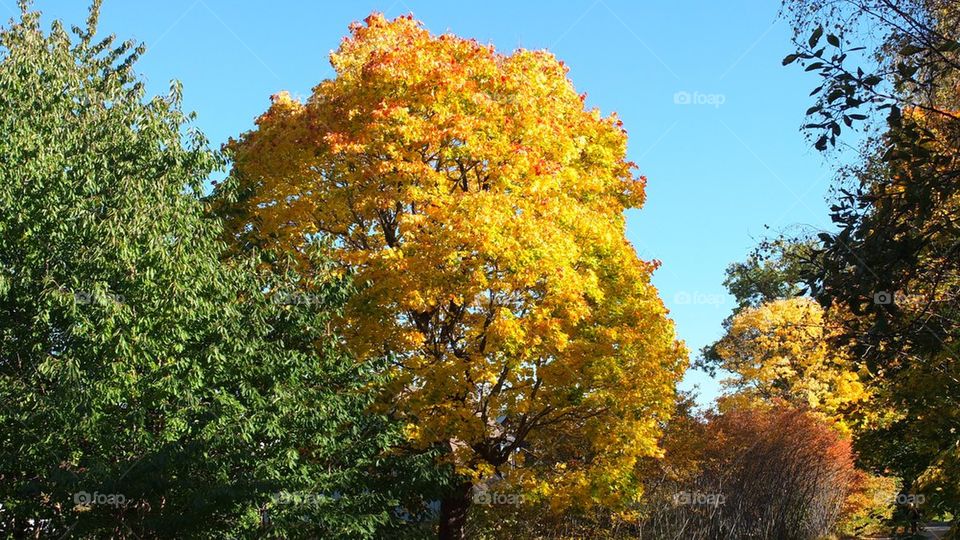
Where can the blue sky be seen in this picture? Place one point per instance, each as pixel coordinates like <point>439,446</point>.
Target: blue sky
<point>720,168</point>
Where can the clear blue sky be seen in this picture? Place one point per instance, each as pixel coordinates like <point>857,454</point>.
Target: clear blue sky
<point>719,168</point>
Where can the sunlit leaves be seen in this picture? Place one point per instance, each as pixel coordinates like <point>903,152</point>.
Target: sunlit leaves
<point>783,349</point>
<point>479,206</point>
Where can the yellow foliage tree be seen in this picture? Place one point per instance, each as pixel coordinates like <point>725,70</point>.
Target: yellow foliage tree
<point>783,349</point>
<point>479,206</point>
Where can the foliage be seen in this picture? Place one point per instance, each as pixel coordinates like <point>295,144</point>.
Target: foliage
<point>774,271</point>
<point>893,263</point>
<point>757,470</point>
<point>686,448</point>
<point>766,470</point>
<point>913,63</point>
<point>870,506</point>
<point>785,473</point>
<point>784,349</point>
<point>148,388</point>
<point>480,208</point>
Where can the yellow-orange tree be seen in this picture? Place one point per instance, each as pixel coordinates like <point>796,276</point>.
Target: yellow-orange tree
<point>479,206</point>
<point>784,349</point>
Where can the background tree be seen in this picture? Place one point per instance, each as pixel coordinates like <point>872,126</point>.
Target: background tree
<point>774,271</point>
<point>893,262</point>
<point>785,349</point>
<point>784,473</point>
<point>480,207</point>
<point>134,363</point>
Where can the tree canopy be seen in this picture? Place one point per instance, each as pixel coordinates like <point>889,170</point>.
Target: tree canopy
<point>479,206</point>
<point>149,387</point>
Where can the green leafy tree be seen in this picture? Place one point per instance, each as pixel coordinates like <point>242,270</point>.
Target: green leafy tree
<point>775,270</point>
<point>149,387</point>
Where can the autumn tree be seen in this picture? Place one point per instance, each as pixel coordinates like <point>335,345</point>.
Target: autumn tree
<point>779,343</point>
<point>785,473</point>
<point>775,270</point>
<point>784,349</point>
<point>478,204</point>
<point>686,449</point>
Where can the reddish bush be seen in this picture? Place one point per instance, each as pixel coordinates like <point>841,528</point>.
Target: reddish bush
<point>769,471</point>
<point>785,473</point>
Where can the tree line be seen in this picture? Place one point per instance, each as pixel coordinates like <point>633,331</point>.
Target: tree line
<point>410,309</point>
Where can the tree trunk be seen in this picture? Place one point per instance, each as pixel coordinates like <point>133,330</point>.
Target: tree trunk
<point>453,513</point>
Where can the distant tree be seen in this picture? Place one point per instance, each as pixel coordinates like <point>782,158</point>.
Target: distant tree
<point>785,349</point>
<point>774,271</point>
<point>786,473</point>
<point>147,388</point>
